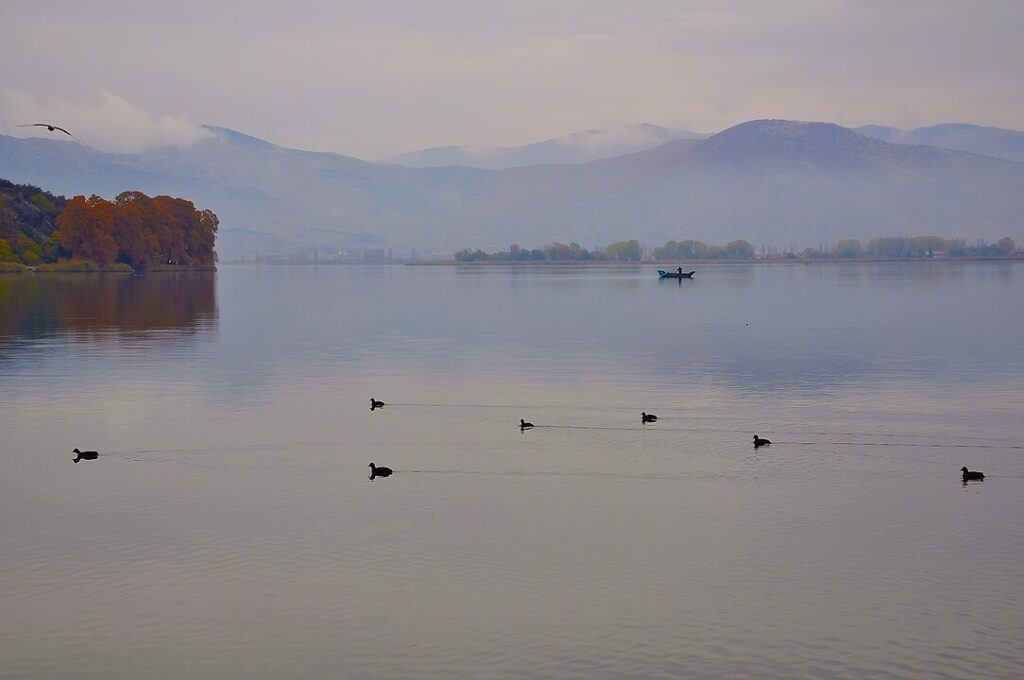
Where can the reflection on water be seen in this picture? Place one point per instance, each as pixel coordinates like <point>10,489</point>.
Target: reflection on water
<point>227,530</point>
<point>34,306</point>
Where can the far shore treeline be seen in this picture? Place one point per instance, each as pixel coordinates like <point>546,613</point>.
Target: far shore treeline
<point>631,251</point>
<point>132,232</point>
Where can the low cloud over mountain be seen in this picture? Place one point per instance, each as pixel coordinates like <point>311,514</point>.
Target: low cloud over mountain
<point>575,148</point>
<point>108,122</point>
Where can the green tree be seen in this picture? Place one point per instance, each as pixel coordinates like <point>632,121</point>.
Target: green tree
<point>28,250</point>
<point>578,252</point>
<point>850,247</point>
<point>624,251</point>
<point>955,247</point>
<point>739,250</point>
<point>470,255</point>
<point>52,248</point>
<point>889,247</point>
<point>6,254</point>
<point>557,251</point>
<point>693,250</point>
<point>43,203</point>
<point>669,251</point>
<point>681,250</point>
<point>920,246</point>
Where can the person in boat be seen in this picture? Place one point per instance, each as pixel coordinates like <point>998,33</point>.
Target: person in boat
<point>679,271</point>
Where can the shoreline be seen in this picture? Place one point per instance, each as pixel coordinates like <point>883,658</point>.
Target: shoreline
<point>610,264</point>
<point>93,268</point>
<point>676,263</point>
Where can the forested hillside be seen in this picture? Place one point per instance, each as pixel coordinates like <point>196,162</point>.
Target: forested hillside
<point>28,220</point>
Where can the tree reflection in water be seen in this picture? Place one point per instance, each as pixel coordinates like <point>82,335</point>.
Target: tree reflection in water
<point>42,305</point>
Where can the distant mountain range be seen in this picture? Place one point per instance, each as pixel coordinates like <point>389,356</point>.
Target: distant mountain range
<point>769,181</point>
<point>575,148</point>
<point>591,145</point>
<point>987,141</point>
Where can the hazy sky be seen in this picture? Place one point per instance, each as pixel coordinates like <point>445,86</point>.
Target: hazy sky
<point>376,78</point>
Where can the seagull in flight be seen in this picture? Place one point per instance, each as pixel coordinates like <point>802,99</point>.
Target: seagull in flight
<point>49,127</point>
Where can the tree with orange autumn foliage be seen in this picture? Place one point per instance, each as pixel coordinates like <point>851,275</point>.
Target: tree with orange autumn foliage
<point>138,230</point>
<point>87,228</point>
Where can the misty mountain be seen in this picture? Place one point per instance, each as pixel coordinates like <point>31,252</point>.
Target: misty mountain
<point>575,148</point>
<point>777,182</point>
<point>590,145</point>
<point>987,141</point>
<point>768,181</point>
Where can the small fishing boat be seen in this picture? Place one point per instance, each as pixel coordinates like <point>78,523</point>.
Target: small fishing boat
<point>662,274</point>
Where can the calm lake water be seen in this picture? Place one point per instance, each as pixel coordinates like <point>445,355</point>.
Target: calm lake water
<point>229,530</point>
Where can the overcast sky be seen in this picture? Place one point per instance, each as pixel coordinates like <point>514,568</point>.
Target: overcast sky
<point>372,79</point>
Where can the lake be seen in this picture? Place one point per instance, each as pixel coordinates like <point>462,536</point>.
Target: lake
<point>229,529</point>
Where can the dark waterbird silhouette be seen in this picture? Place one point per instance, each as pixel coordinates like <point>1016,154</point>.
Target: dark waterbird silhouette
<point>49,127</point>
<point>524,425</point>
<point>761,441</point>
<point>972,475</point>
<point>85,455</point>
<point>379,471</point>
<point>647,417</point>
<point>376,403</point>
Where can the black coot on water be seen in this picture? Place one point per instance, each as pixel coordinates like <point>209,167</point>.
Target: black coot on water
<point>85,455</point>
<point>972,474</point>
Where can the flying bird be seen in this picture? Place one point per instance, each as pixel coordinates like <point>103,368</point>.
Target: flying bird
<point>49,127</point>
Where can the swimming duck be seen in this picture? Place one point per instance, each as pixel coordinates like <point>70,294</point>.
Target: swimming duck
<point>379,471</point>
<point>968,474</point>
<point>647,417</point>
<point>524,425</point>
<point>85,455</point>
<point>761,441</point>
<point>374,403</point>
